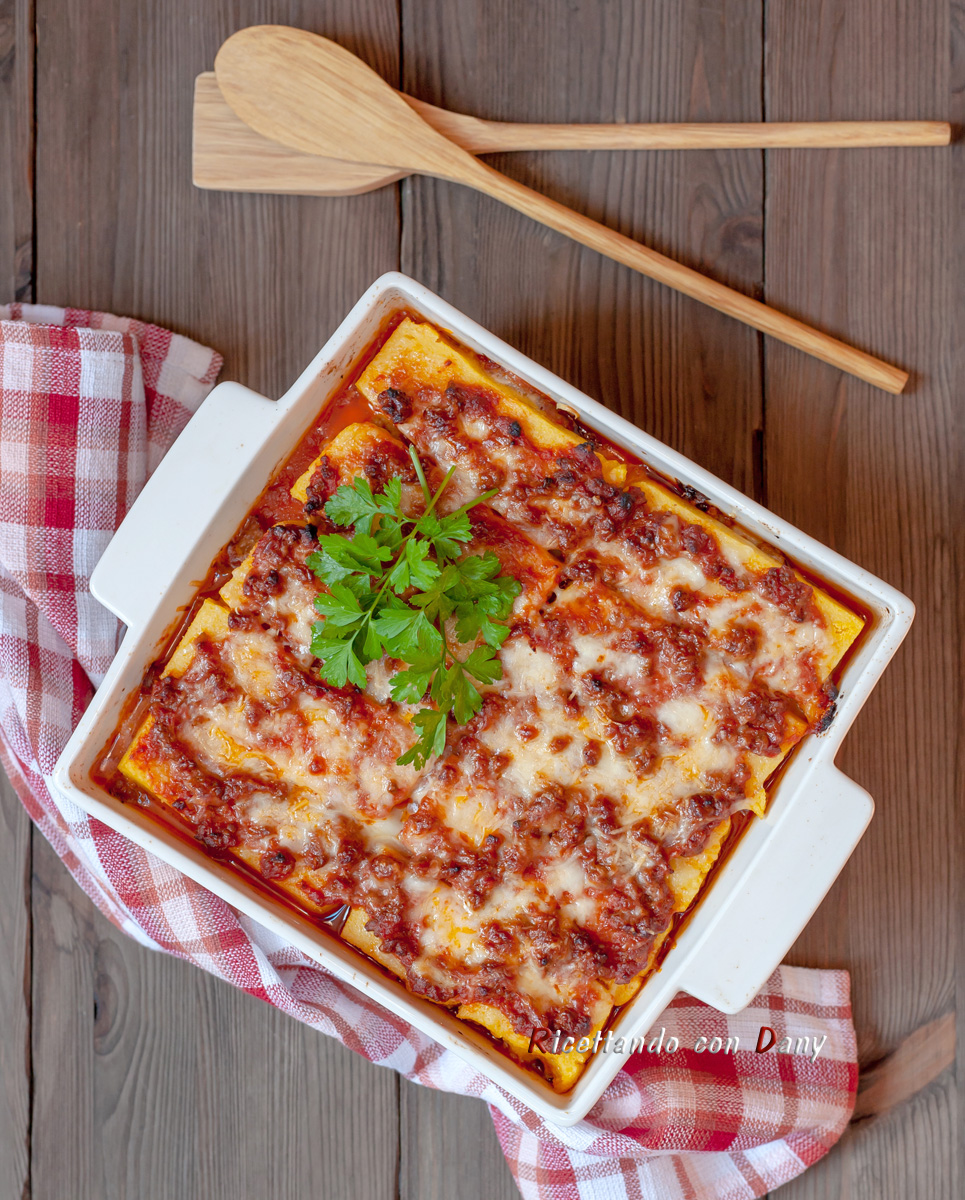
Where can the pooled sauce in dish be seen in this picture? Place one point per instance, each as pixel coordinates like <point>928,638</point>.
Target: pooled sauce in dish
<point>657,669</point>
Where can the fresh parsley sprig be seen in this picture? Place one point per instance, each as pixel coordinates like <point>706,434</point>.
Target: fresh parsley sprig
<point>393,587</point>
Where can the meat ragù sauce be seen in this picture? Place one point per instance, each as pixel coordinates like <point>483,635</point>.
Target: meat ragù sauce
<point>659,667</point>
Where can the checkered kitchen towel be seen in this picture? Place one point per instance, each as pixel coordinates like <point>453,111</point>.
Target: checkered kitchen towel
<point>88,405</point>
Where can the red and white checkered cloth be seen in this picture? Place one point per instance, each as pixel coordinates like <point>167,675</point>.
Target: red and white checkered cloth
<point>88,405</point>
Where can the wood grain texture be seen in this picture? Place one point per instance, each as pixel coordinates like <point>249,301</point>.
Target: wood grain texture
<point>178,1085</point>
<point>155,1080</point>
<point>448,1149</point>
<point>921,1058</point>
<point>494,137</point>
<point>16,149</point>
<point>698,286</point>
<point>685,374</point>
<point>310,93</point>
<point>263,279</point>
<point>865,240</point>
<point>15,998</point>
<point>228,155</point>
<point>16,283</point>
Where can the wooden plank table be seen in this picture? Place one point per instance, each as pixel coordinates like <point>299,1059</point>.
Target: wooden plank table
<point>127,1073</point>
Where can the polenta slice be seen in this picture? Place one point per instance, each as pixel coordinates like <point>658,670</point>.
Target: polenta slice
<point>843,625</point>
<point>457,414</point>
<point>417,356</point>
<point>657,668</point>
<point>364,450</point>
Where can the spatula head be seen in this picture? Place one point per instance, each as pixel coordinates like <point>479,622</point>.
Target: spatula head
<point>309,93</point>
<point>229,156</point>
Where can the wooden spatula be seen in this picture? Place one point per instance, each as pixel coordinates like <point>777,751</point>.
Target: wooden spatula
<point>230,156</point>
<point>311,94</point>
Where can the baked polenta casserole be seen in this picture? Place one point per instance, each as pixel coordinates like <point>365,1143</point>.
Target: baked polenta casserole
<point>483,696</point>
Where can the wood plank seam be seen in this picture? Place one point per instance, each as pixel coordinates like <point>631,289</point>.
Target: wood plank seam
<point>30,253</point>
<point>29,296</point>
<point>759,455</point>
<point>856,238</point>
<point>18,81</point>
<point>15,1055</point>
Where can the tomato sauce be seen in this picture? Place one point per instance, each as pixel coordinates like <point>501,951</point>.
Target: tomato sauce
<point>276,506</point>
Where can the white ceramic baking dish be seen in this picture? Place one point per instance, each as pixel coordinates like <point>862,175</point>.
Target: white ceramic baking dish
<point>777,873</point>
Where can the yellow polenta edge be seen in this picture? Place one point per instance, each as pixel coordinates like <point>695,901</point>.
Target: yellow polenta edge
<point>420,353</point>
<point>348,444</point>
<point>843,625</point>
<point>210,618</point>
<point>563,1070</point>
<point>151,776</point>
<point>417,354</point>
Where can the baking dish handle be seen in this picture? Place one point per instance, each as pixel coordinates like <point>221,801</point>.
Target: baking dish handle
<point>199,474</point>
<point>799,861</point>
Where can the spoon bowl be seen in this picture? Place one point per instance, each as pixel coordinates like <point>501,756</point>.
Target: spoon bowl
<point>311,94</point>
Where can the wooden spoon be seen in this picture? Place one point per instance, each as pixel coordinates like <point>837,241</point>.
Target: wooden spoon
<point>311,94</point>
<point>228,155</point>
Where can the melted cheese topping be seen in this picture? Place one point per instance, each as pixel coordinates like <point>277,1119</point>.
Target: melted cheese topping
<point>658,669</point>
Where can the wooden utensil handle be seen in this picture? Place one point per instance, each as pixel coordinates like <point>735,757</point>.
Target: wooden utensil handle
<point>486,137</point>
<point>683,279</point>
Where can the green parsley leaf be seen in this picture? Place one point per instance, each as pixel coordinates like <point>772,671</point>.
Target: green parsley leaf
<point>478,569</point>
<point>392,497</point>
<point>340,663</point>
<point>408,687</point>
<point>414,568</point>
<point>391,588</point>
<point>372,647</point>
<point>407,633</point>
<point>436,601</point>
<point>466,700</point>
<point>483,664</point>
<point>432,740</point>
<point>353,504</point>
<point>340,607</point>
<point>445,534</point>
<point>338,558</point>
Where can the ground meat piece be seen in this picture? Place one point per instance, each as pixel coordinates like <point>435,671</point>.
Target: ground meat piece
<point>618,504</point>
<point>395,404</point>
<point>700,815</point>
<point>756,721</point>
<point>217,834</point>
<point>787,592</point>
<point>742,641</point>
<point>678,657</point>
<point>322,485</point>
<point>697,499</point>
<point>206,682</point>
<point>277,864</point>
